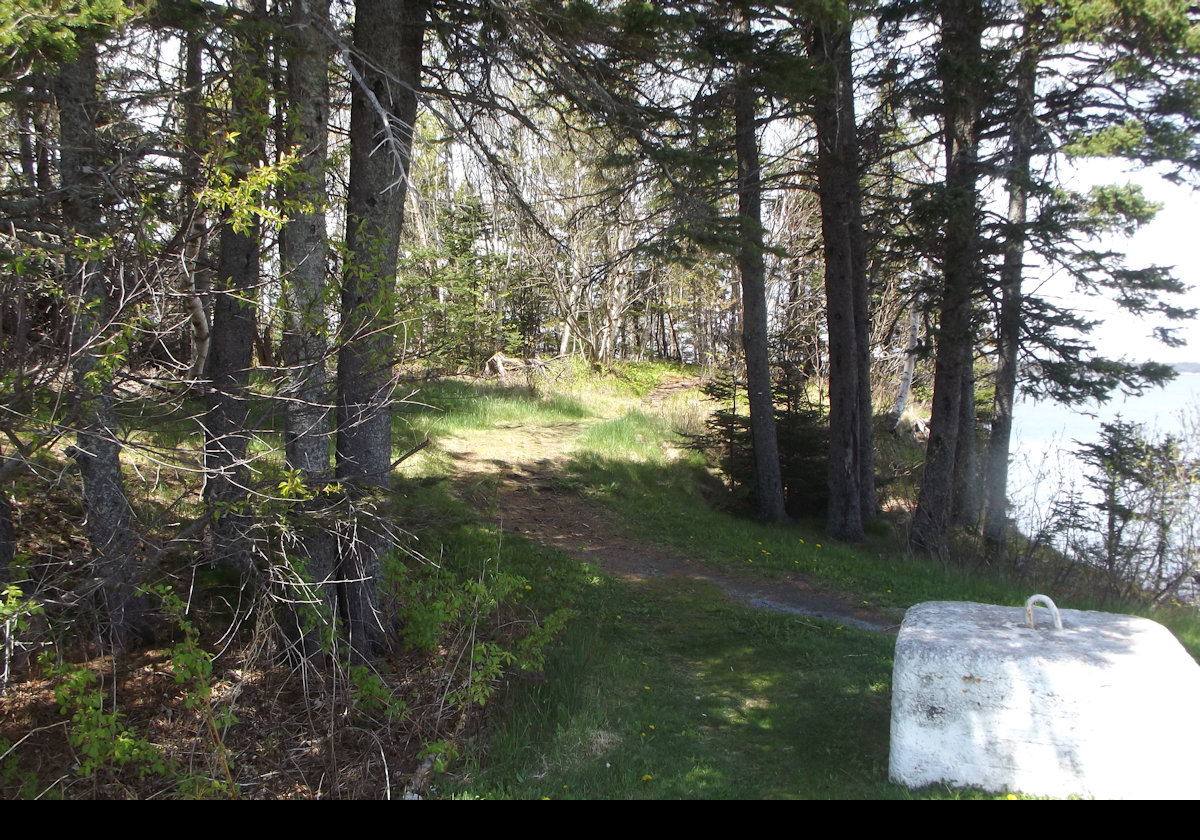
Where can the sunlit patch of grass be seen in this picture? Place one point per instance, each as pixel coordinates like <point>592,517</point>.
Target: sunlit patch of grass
<point>738,706</point>
<point>636,437</point>
<point>452,405</point>
<point>662,689</point>
<point>686,413</point>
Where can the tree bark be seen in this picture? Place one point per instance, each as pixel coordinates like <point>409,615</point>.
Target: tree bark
<point>904,391</point>
<point>197,282</point>
<point>768,478</point>
<point>851,436</point>
<point>8,538</point>
<point>388,39</point>
<point>97,449</point>
<point>967,496</point>
<point>960,64</point>
<point>303,247</point>
<point>234,323</point>
<point>1008,328</point>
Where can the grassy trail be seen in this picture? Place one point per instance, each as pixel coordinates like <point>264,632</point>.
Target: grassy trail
<point>664,686</point>
<point>669,682</point>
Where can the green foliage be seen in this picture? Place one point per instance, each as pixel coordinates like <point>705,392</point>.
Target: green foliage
<point>803,436</point>
<point>442,752</point>
<point>50,30</point>
<point>104,743</point>
<point>372,697</point>
<point>1120,208</point>
<point>12,776</point>
<point>248,196</point>
<point>97,731</point>
<point>453,294</point>
<point>473,596</point>
<point>16,613</point>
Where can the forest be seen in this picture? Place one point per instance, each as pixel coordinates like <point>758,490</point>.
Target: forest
<point>241,240</point>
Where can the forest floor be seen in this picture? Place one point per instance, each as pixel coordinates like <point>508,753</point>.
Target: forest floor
<point>524,467</point>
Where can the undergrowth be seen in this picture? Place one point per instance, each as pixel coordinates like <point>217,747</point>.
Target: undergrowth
<point>514,671</point>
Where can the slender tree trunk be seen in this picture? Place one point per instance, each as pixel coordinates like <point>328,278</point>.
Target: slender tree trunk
<point>388,39</point>
<point>904,391</point>
<point>303,252</point>
<point>8,538</point>
<point>967,495</point>
<point>234,325</point>
<point>995,527</point>
<point>197,282</point>
<point>303,245</point>
<point>961,67</point>
<point>769,481</point>
<point>97,450</point>
<point>851,446</point>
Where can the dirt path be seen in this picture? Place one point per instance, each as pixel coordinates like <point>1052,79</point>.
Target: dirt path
<point>531,500</point>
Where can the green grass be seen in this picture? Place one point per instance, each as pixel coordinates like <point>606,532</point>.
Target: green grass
<point>665,690</point>
<point>635,465</point>
<point>661,688</point>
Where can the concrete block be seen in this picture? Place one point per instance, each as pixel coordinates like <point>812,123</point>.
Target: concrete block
<point>1106,707</point>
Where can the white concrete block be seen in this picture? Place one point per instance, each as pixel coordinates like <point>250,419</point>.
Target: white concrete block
<point>1106,707</point>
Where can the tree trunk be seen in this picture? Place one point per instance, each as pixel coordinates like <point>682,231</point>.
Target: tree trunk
<point>967,497</point>
<point>388,39</point>
<point>1008,328</point>
<point>196,280</point>
<point>8,539</point>
<point>303,245</point>
<point>960,64</point>
<point>768,479</point>
<point>97,450</point>
<point>303,253</point>
<point>904,391</point>
<point>851,443</point>
<point>234,325</point>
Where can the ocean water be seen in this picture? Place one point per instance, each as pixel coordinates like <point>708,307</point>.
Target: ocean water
<point>1046,435</point>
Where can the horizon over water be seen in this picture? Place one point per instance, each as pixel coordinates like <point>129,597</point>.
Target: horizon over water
<point>1046,434</point>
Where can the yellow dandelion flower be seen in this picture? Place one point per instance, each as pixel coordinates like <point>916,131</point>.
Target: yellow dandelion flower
<point>647,778</point>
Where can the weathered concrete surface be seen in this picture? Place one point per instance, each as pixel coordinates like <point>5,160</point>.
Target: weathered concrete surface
<point>1107,707</point>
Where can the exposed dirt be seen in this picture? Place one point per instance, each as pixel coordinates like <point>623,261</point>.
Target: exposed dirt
<point>531,499</point>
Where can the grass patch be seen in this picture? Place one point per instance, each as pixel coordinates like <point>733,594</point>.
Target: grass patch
<point>662,689</point>
<point>450,405</point>
<point>658,500</point>
<point>666,691</point>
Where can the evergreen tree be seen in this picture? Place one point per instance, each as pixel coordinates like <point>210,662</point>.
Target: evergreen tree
<point>852,440</point>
